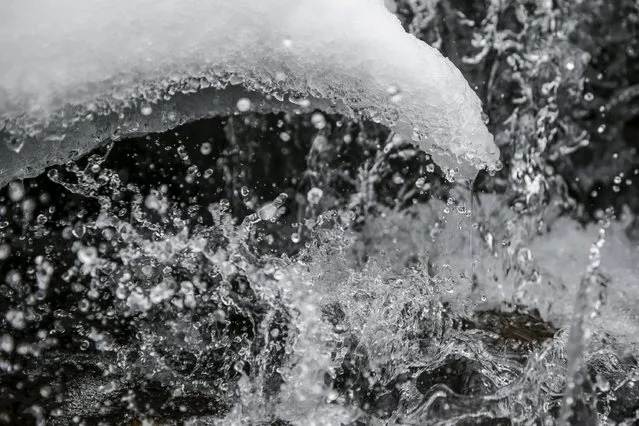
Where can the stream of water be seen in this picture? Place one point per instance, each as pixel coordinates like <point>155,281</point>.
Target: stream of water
<point>286,238</point>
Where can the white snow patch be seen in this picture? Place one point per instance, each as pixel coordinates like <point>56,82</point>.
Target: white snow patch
<point>74,73</point>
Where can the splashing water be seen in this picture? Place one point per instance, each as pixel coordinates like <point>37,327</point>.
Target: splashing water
<point>201,276</point>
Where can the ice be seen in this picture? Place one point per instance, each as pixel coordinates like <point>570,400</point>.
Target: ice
<point>75,74</point>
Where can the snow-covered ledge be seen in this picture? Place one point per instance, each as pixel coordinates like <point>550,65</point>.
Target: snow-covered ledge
<point>74,74</point>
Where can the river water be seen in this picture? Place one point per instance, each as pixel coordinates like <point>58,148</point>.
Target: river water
<point>307,268</point>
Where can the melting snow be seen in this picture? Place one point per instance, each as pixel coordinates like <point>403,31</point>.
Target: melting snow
<point>76,73</point>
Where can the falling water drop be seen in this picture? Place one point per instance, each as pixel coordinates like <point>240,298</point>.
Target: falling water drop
<point>243,105</point>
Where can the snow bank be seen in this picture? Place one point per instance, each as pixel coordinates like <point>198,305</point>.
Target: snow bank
<point>75,73</point>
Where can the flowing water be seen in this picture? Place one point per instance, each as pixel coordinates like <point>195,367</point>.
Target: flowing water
<point>141,287</point>
<point>301,268</point>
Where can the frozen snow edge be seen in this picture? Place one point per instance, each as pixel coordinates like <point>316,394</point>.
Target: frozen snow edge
<point>76,74</point>
<point>85,135</point>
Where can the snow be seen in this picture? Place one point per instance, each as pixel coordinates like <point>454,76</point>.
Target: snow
<point>75,73</point>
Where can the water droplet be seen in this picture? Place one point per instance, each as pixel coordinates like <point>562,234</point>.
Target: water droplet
<point>244,105</point>
<point>206,148</point>
<point>88,255</point>
<point>285,136</point>
<point>84,305</point>
<point>192,170</point>
<point>53,174</point>
<point>79,230</point>
<point>16,319</point>
<point>6,343</point>
<point>314,196</point>
<point>16,191</point>
<point>318,120</point>
<point>146,110</point>
<point>5,251</point>
<point>13,278</point>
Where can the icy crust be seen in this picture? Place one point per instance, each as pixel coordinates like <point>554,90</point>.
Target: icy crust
<point>74,74</point>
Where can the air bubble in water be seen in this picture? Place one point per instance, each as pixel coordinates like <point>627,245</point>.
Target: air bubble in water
<point>244,191</point>
<point>295,237</point>
<point>146,110</point>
